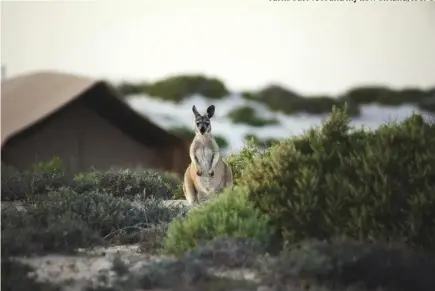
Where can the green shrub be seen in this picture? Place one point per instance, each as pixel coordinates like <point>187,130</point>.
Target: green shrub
<point>178,192</point>
<point>38,179</point>
<point>182,132</point>
<point>428,104</point>
<point>105,213</point>
<point>279,99</point>
<point>85,176</point>
<point>239,161</point>
<point>366,95</point>
<point>385,96</point>
<point>150,183</point>
<point>276,96</point>
<point>249,95</point>
<point>127,182</point>
<point>172,178</point>
<point>64,211</point>
<point>315,105</point>
<point>247,115</point>
<point>53,165</point>
<point>261,143</point>
<point>25,185</point>
<point>127,88</point>
<point>369,185</point>
<point>221,141</point>
<point>324,105</point>
<point>37,231</point>
<point>227,215</point>
<point>177,88</point>
<point>64,220</point>
<point>407,96</point>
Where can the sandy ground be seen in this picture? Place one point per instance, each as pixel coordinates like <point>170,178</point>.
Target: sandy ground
<point>84,269</point>
<point>76,272</point>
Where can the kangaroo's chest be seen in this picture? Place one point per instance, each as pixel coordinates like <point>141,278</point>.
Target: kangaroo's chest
<point>204,154</point>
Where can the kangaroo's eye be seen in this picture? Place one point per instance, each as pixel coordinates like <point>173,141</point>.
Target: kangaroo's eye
<point>197,124</point>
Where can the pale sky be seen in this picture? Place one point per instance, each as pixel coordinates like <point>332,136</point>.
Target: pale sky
<point>311,47</point>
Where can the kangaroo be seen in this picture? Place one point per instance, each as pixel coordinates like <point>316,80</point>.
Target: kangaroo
<point>207,172</point>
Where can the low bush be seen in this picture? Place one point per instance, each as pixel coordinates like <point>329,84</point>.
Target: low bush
<point>276,96</point>
<point>279,99</point>
<point>229,214</point>
<point>334,180</point>
<point>183,132</point>
<point>36,231</point>
<point>64,220</point>
<point>127,88</point>
<point>48,209</point>
<point>249,95</point>
<point>386,96</point>
<point>177,88</point>
<point>53,165</point>
<point>367,95</point>
<point>26,184</point>
<point>247,115</point>
<point>178,192</point>
<point>221,141</point>
<point>428,104</point>
<point>239,161</point>
<point>323,105</point>
<point>147,183</point>
<point>261,143</point>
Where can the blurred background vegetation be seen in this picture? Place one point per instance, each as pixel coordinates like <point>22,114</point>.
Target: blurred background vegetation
<point>279,99</point>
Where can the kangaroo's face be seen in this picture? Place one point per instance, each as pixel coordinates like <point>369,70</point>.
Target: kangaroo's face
<point>202,122</point>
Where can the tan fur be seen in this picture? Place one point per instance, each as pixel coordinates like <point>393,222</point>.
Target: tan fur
<point>207,173</point>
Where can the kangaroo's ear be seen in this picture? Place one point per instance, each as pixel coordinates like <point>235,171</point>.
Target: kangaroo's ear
<point>210,111</point>
<point>195,111</point>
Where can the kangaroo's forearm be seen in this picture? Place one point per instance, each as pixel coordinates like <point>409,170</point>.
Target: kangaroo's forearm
<point>193,156</point>
<point>194,159</point>
<point>216,157</point>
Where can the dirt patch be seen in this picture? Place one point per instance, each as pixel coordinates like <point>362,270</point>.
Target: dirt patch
<point>115,266</point>
<point>89,268</point>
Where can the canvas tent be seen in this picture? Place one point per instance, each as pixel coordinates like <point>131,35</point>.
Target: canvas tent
<point>84,122</point>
